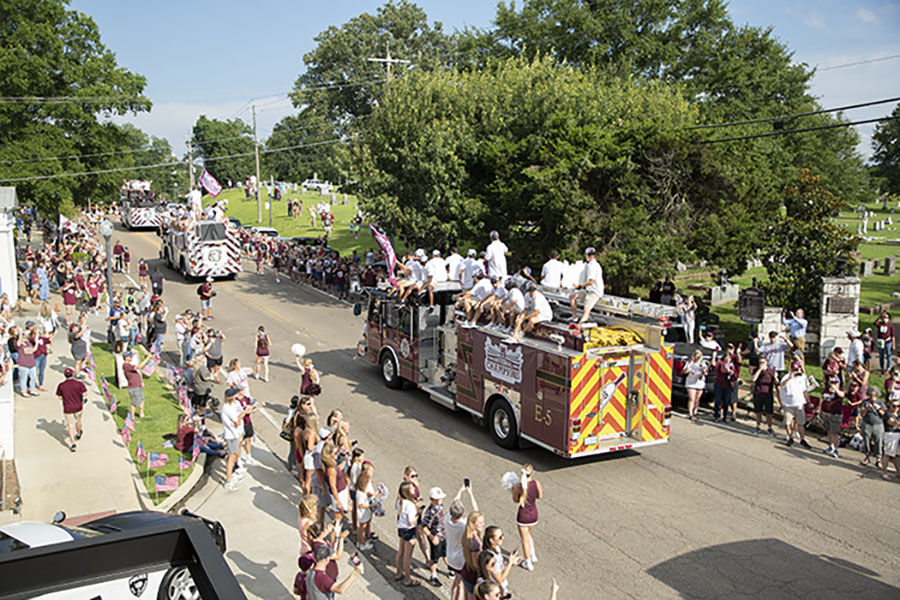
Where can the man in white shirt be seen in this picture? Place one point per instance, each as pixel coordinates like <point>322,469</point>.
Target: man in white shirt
<point>773,350</point>
<point>435,273</point>
<point>590,286</point>
<point>195,201</point>
<point>180,330</point>
<point>855,352</point>
<point>495,255</point>
<point>537,310</point>
<point>453,263</point>
<point>416,275</point>
<point>467,269</point>
<point>480,293</point>
<point>552,271</point>
<point>232,416</point>
<point>793,396</point>
<point>506,312</point>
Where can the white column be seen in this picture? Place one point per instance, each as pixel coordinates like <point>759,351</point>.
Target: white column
<point>9,279</point>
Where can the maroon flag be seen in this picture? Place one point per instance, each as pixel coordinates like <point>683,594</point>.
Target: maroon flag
<point>209,182</point>
<point>388,250</point>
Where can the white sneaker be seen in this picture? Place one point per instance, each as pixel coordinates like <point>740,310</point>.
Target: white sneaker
<point>365,547</point>
<point>238,477</point>
<point>250,461</point>
<point>526,564</point>
<point>240,464</point>
<point>231,487</point>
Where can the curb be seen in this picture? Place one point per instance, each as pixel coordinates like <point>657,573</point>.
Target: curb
<point>177,496</point>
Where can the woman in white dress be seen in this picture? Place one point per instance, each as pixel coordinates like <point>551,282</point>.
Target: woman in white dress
<point>695,372</point>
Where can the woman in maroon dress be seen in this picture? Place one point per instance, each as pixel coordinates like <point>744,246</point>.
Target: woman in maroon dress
<point>526,494</point>
<point>262,343</point>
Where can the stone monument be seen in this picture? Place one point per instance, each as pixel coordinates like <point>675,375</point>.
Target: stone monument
<point>840,313</point>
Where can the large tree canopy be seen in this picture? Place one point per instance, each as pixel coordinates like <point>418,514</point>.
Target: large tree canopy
<point>340,81</point>
<point>886,143</point>
<point>214,140</point>
<point>309,144</point>
<point>61,81</point>
<point>553,158</point>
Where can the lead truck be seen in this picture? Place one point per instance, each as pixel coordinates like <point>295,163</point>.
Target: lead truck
<point>606,387</point>
<point>138,206</point>
<point>201,249</point>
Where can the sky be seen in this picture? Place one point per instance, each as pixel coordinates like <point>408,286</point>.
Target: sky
<point>219,57</point>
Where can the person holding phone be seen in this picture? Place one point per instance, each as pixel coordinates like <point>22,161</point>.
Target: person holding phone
<point>232,417</point>
<point>454,532</point>
<point>872,412</point>
<point>526,494</point>
<point>695,372</point>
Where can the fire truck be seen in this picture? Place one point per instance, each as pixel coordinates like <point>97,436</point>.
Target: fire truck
<point>201,249</point>
<point>138,206</point>
<point>606,387</point>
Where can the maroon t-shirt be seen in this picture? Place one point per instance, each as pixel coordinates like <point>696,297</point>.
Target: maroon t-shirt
<point>132,375</point>
<point>71,391</point>
<point>332,568</point>
<point>185,438</point>
<point>831,403</point>
<point>764,384</point>
<point>323,581</point>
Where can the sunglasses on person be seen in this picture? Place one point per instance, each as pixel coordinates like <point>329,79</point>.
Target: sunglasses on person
<point>413,475</point>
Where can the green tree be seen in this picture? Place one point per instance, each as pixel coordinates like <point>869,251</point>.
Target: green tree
<point>886,160</point>
<point>805,245</point>
<point>214,140</point>
<point>553,158</point>
<point>66,81</point>
<point>340,81</point>
<point>310,144</point>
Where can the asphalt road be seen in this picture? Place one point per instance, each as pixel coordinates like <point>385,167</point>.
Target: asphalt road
<point>714,513</point>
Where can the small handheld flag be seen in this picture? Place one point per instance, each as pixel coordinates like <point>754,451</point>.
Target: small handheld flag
<point>157,459</point>
<point>129,423</point>
<point>141,454</point>
<point>195,451</point>
<point>166,484</point>
<point>184,463</point>
<point>126,435</point>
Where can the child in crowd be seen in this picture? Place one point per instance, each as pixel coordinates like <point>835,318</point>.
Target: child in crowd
<point>433,526</point>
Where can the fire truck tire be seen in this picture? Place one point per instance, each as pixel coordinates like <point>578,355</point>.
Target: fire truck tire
<point>502,423</point>
<point>390,371</point>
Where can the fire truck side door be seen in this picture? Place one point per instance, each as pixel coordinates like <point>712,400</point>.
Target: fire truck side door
<point>374,329</point>
<point>635,399</point>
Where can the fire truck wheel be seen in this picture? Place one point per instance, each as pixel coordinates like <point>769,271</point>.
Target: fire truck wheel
<point>502,423</point>
<point>389,371</point>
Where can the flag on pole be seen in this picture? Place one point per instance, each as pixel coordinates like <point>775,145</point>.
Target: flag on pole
<point>104,385</point>
<point>210,184</point>
<point>195,451</point>
<point>93,364</point>
<point>126,435</point>
<point>66,224</point>
<point>112,404</point>
<point>166,484</point>
<point>149,369</point>
<point>157,459</point>
<point>388,250</point>
<point>184,463</point>
<point>141,454</point>
<point>129,423</point>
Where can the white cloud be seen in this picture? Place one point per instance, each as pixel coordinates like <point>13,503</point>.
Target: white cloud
<point>815,19</point>
<point>866,16</point>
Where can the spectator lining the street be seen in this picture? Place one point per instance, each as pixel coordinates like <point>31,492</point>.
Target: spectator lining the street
<point>884,334</point>
<point>872,411</point>
<point>433,527</point>
<point>891,440</point>
<point>793,397</point>
<point>764,381</point>
<point>407,522</point>
<point>526,493</point>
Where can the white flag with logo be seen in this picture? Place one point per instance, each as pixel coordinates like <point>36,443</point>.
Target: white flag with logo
<point>210,184</point>
<point>66,224</point>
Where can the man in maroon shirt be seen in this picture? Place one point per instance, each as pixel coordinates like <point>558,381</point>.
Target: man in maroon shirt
<point>318,583</point>
<point>135,382</point>
<point>884,334</point>
<point>72,392</point>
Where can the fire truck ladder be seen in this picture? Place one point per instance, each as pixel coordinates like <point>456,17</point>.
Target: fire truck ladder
<point>616,305</point>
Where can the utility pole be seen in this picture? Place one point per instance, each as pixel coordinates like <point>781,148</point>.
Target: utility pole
<point>271,196</point>
<point>191,163</point>
<point>258,182</point>
<point>389,63</point>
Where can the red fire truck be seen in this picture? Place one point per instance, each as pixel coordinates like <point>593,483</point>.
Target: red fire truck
<point>573,392</point>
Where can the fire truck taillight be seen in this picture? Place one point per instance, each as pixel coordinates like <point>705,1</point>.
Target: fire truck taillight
<point>576,429</point>
<point>667,416</point>
<point>678,368</point>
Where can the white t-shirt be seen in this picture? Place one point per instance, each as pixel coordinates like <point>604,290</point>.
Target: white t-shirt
<point>711,344</point>
<point>467,269</point>
<point>406,514</point>
<point>515,295</point>
<point>792,391</point>
<point>551,273</point>
<point>195,199</point>
<point>230,413</point>
<point>482,289</point>
<point>437,269</point>
<point>496,258</point>
<point>694,378</point>
<point>453,262</point>
<point>592,272</point>
<point>855,352</point>
<point>239,378</point>
<point>539,303</point>
<point>420,272</point>
<point>454,533</point>
<point>774,353</point>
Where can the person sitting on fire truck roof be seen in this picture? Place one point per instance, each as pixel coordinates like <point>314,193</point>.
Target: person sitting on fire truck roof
<point>412,275</point>
<point>537,310</point>
<point>469,299</point>
<point>467,269</point>
<point>508,313</point>
<point>436,270</point>
<point>591,281</point>
<point>494,298</point>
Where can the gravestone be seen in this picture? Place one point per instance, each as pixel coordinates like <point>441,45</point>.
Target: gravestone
<point>866,268</point>
<point>890,265</point>
<point>889,221</point>
<point>727,292</point>
<point>840,313</point>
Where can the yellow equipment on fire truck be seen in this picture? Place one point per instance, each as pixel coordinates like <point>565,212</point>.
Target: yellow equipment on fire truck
<point>577,392</point>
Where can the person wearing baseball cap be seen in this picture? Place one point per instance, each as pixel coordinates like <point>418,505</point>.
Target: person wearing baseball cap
<point>793,397</point>
<point>319,583</point>
<point>589,288</point>
<point>467,269</point>
<point>206,294</point>
<point>135,382</point>
<point>72,393</point>
<point>433,526</point>
<point>537,310</point>
<point>232,415</point>
<point>475,297</point>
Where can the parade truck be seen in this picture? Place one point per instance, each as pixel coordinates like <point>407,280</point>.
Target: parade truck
<point>604,387</point>
<point>201,248</point>
<point>138,206</point>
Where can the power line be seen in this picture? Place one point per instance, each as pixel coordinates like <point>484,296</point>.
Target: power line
<point>66,99</point>
<point>794,116</point>
<point>804,130</point>
<point>45,158</point>
<point>859,62</point>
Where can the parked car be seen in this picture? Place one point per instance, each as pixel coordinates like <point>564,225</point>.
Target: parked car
<point>316,185</point>
<point>266,231</point>
<point>235,222</point>
<point>172,583</point>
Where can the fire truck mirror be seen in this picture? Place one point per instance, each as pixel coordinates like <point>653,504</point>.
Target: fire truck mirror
<point>357,309</point>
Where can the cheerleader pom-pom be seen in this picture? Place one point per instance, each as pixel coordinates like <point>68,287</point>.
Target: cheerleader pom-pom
<point>509,481</point>
<point>298,349</point>
<point>382,491</point>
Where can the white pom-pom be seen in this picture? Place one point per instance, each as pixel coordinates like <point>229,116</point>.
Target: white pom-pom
<point>298,349</point>
<point>509,481</point>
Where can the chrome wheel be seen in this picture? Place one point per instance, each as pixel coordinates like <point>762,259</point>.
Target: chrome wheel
<point>387,369</point>
<point>181,586</point>
<point>501,423</point>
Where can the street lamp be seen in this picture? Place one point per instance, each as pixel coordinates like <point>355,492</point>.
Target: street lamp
<point>106,230</point>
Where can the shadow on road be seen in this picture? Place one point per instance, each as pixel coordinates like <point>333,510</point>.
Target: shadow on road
<point>55,429</point>
<point>257,578</point>
<point>768,568</point>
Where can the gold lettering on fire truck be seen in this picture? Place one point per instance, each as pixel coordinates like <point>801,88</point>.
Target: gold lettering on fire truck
<point>542,416</point>
<point>502,362</point>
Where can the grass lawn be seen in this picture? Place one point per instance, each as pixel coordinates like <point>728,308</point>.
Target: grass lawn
<point>162,410</point>
<point>341,240</point>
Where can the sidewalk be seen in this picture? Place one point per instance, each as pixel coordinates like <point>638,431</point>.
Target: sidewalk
<point>94,479</point>
<point>260,521</point>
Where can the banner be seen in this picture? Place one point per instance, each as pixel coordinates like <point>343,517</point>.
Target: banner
<point>388,250</point>
<point>210,184</point>
<point>66,224</point>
